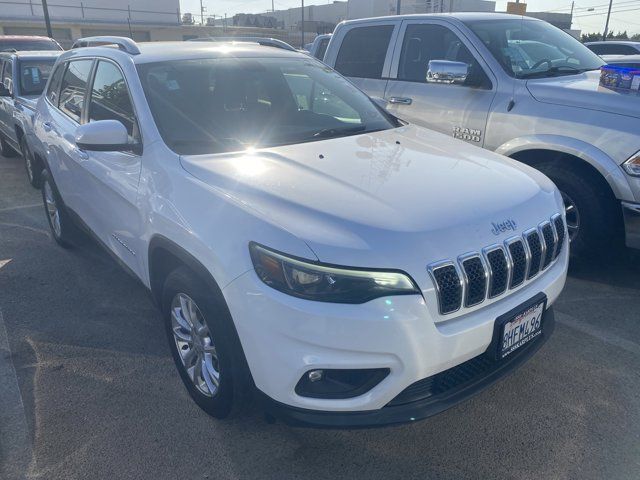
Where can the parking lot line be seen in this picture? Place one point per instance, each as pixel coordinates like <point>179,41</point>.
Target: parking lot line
<point>20,207</point>
<point>15,443</point>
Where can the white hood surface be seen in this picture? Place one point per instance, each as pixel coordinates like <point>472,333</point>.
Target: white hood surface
<point>381,199</point>
<point>584,91</point>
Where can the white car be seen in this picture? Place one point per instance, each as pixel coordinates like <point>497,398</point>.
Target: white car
<point>304,246</point>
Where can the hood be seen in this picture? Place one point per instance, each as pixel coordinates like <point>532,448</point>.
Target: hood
<point>584,91</point>
<point>380,199</point>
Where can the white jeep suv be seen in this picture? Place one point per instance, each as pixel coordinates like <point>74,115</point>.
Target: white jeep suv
<point>305,247</point>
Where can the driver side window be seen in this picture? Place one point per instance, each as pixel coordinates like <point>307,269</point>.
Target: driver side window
<point>425,42</point>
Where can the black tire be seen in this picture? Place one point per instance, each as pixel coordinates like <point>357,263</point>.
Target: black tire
<point>6,150</point>
<point>67,233</point>
<point>31,164</point>
<point>235,385</point>
<point>598,213</point>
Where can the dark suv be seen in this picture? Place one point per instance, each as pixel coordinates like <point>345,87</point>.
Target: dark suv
<point>17,43</point>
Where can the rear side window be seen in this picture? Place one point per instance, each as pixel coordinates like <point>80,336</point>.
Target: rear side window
<point>322,48</point>
<point>363,51</point>
<point>604,49</point>
<point>7,75</point>
<point>54,84</point>
<point>74,88</point>
<point>110,99</point>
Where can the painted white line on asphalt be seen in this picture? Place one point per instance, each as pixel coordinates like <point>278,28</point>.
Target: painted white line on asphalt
<point>20,207</point>
<point>15,442</point>
<point>599,333</point>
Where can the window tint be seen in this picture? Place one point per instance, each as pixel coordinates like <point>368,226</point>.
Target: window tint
<point>54,84</point>
<point>423,43</point>
<point>363,51</point>
<point>110,98</point>
<point>74,87</point>
<point>322,48</point>
<point>612,49</point>
<point>34,75</point>
<point>7,78</point>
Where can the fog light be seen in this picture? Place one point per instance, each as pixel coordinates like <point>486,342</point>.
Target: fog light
<point>339,383</point>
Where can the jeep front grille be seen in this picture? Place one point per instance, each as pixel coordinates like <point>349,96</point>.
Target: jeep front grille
<point>476,276</point>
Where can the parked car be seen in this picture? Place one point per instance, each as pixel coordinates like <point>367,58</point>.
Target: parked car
<point>614,47</point>
<point>517,86</point>
<point>23,76</point>
<point>14,43</point>
<point>626,61</point>
<point>318,47</point>
<point>304,245</point>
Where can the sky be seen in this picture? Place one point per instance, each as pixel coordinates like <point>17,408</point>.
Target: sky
<point>625,13</point>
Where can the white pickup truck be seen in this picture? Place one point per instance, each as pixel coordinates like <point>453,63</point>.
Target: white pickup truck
<point>517,86</point>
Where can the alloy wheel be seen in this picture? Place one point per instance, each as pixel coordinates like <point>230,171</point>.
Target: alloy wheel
<point>52,209</point>
<point>572,215</point>
<point>195,345</point>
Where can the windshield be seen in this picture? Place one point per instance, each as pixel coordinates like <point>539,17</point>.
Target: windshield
<point>19,45</point>
<point>231,104</point>
<point>529,48</point>
<point>34,75</point>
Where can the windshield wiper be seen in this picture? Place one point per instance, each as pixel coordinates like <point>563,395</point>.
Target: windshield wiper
<point>338,132</point>
<point>550,72</point>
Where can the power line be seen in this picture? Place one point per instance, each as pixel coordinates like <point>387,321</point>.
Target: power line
<point>612,12</point>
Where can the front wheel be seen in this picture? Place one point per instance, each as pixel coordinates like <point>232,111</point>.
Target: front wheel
<point>593,219</point>
<point>64,232</point>
<point>204,345</point>
<point>30,164</point>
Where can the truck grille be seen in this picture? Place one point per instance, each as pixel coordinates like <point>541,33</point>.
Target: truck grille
<point>488,274</point>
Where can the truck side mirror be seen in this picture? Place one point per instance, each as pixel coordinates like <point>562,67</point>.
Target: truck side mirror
<point>4,91</point>
<point>445,71</point>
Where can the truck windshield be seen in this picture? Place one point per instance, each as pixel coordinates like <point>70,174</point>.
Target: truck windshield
<point>34,75</point>
<point>215,105</point>
<point>534,49</point>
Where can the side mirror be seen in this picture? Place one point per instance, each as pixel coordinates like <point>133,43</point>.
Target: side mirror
<point>4,91</point>
<point>103,136</point>
<point>444,71</point>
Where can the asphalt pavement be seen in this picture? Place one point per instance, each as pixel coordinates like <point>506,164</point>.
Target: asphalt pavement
<point>88,389</point>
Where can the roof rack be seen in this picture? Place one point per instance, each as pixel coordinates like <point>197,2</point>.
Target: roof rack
<point>123,43</point>
<point>9,50</point>
<point>267,42</point>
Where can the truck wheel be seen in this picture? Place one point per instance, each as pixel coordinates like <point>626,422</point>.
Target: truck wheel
<point>30,164</point>
<point>591,211</point>
<point>204,345</point>
<point>64,231</point>
<point>6,150</point>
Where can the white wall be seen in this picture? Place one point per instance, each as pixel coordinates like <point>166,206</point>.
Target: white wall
<point>142,11</point>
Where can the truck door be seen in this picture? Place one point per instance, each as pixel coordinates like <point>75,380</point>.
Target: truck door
<point>365,53</point>
<point>453,109</point>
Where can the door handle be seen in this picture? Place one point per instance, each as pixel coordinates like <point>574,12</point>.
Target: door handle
<point>47,126</point>
<point>401,100</point>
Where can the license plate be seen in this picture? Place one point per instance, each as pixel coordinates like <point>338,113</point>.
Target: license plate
<point>521,329</point>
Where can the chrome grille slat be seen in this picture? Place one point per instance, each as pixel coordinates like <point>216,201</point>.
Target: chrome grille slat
<point>474,277</point>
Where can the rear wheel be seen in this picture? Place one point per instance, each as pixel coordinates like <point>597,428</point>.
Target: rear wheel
<point>30,164</point>
<point>593,219</point>
<point>204,345</point>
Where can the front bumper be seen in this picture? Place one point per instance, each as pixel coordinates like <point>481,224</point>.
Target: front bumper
<point>631,215</point>
<point>284,337</point>
<point>466,380</point>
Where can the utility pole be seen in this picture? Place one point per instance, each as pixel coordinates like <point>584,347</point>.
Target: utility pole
<point>606,25</point>
<point>273,7</point>
<point>572,5</point>
<point>47,20</point>
<point>398,7</point>
<point>302,24</point>
<point>202,10</point>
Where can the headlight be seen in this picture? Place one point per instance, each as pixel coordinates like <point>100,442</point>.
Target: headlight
<point>327,283</point>
<point>632,166</point>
